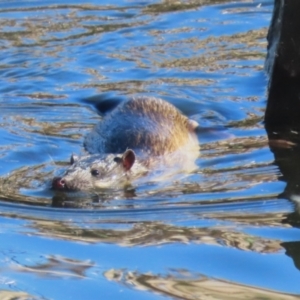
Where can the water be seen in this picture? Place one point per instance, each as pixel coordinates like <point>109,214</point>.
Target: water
<point>219,232</point>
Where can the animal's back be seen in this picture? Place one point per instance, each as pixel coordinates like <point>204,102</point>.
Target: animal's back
<point>145,124</point>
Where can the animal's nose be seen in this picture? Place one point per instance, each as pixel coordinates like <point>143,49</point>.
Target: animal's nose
<point>58,183</point>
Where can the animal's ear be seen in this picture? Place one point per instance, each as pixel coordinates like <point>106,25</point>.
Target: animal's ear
<point>128,159</point>
<point>73,158</point>
<point>192,125</point>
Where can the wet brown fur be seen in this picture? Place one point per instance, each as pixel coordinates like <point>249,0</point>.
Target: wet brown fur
<point>146,124</point>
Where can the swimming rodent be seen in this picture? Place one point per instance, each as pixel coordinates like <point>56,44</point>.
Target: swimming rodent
<point>140,136</point>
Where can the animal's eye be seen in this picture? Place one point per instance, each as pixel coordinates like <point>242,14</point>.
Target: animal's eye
<point>117,159</point>
<point>95,172</point>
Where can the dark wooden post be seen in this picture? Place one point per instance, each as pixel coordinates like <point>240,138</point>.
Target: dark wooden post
<point>283,66</point>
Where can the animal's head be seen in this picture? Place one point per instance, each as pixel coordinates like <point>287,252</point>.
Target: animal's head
<point>97,171</point>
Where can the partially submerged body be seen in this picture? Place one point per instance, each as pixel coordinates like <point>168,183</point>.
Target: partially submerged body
<point>140,136</point>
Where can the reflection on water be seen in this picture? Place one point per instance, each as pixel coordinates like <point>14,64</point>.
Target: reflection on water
<point>58,267</point>
<point>157,233</point>
<point>181,284</point>
<point>8,295</point>
<point>223,230</point>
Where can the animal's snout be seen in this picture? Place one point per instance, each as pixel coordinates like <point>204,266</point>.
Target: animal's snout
<point>58,183</point>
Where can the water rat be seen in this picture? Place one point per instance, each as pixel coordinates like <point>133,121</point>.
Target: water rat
<point>140,136</point>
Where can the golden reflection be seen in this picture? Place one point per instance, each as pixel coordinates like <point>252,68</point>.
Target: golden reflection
<point>68,24</point>
<point>31,125</point>
<point>137,86</point>
<point>26,178</point>
<point>216,55</point>
<point>57,266</point>
<point>178,5</point>
<point>181,284</point>
<point>72,25</point>
<point>13,295</point>
<point>217,51</point>
<point>43,96</point>
<point>258,220</point>
<point>174,5</point>
<point>24,124</point>
<point>156,233</point>
<point>235,145</point>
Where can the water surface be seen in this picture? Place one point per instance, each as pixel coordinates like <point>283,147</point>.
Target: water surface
<point>218,232</point>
